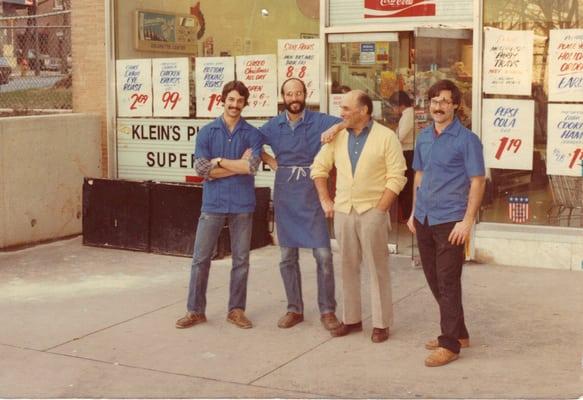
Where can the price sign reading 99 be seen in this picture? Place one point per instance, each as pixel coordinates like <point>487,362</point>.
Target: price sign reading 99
<point>170,99</point>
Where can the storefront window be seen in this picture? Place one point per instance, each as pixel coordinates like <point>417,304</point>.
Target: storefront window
<point>535,140</point>
<point>209,28</point>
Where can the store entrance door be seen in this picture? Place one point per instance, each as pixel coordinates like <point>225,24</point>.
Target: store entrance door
<point>384,63</point>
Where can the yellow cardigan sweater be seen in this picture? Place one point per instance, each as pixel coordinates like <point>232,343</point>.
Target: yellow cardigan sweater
<point>380,166</point>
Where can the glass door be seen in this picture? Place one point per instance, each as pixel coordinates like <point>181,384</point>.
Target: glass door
<point>378,64</point>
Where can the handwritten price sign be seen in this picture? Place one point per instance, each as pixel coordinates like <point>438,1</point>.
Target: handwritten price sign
<point>508,133</point>
<point>566,65</point>
<point>565,139</point>
<point>211,74</point>
<point>171,88</point>
<point>134,88</point>
<point>299,58</point>
<point>259,73</point>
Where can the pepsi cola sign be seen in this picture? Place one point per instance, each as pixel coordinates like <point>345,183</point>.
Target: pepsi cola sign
<point>398,8</point>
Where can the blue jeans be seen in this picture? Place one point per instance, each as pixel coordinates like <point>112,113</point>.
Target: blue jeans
<point>207,234</point>
<point>292,279</point>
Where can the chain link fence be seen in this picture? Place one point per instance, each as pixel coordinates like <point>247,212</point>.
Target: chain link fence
<point>35,63</point>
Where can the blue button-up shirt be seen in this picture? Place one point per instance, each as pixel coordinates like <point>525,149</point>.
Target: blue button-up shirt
<point>447,161</point>
<point>297,146</point>
<point>356,144</point>
<point>233,194</point>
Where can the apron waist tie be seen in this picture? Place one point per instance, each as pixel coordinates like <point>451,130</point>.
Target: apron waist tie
<point>297,172</point>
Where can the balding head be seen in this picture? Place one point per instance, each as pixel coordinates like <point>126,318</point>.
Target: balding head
<point>356,109</point>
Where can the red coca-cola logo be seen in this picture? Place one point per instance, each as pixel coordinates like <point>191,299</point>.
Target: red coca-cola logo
<point>398,8</point>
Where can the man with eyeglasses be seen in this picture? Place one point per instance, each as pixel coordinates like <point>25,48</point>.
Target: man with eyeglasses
<point>294,137</point>
<point>447,192</point>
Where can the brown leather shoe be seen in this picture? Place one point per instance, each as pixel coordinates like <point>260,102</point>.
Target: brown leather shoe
<point>345,329</point>
<point>379,335</point>
<point>434,344</point>
<point>329,321</point>
<point>290,319</point>
<point>237,317</point>
<point>190,319</point>
<point>440,356</point>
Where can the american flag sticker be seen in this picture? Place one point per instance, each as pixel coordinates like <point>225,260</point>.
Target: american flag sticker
<point>518,209</point>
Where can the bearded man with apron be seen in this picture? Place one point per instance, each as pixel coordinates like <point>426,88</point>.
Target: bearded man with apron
<point>294,137</point>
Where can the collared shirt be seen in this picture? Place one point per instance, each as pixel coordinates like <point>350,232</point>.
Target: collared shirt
<point>356,144</point>
<point>233,194</point>
<point>382,166</point>
<point>299,146</point>
<point>293,124</point>
<point>448,161</point>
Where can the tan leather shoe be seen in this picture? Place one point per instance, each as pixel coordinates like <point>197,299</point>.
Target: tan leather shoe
<point>290,319</point>
<point>190,319</point>
<point>440,356</point>
<point>345,329</point>
<point>379,335</point>
<point>329,321</point>
<point>237,317</point>
<point>434,344</point>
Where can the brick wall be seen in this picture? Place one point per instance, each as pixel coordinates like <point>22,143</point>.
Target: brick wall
<point>89,64</point>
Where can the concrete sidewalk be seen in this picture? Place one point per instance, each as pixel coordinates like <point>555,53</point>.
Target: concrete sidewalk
<point>78,321</point>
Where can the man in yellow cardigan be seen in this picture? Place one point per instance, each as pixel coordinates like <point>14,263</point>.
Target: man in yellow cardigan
<point>371,167</point>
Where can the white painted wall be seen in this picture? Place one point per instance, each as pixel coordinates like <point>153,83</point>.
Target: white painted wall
<point>43,160</point>
<point>529,246</point>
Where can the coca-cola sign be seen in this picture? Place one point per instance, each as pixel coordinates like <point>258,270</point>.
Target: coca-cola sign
<point>398,8</point>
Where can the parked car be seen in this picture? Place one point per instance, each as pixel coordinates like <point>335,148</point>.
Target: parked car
<point>5,70</point>
<point>33,59</point>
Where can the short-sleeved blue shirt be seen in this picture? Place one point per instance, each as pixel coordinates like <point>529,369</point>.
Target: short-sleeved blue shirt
<point>447,161</point>
<point>234,194</point>
<point>298,146</point>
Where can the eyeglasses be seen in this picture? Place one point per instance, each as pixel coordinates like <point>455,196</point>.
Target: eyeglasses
<point>440,102</point>
<point>297,94</point>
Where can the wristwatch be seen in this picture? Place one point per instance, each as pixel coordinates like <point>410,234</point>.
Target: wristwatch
<point>219,161</point>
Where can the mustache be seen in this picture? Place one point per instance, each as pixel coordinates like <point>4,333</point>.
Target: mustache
<point>234,108</point>
<point>299,103</point>
<point>438,112</point>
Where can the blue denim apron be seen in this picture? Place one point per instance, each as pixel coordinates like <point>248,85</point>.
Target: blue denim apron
<point>299,216</point>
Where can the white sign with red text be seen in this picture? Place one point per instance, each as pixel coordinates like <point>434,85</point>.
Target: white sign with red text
<point>299,58</point>
<point>335,104</point>
<point>134,88</point>
<point>565,139</point>
<point>211,75</point>
<point>259,74</point>
<point>566,65</point>
<point>508,62</point>
<point>508,133</point>
<point>171,92</point>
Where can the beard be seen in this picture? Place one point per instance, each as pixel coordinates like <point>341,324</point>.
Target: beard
<point>288,107</point>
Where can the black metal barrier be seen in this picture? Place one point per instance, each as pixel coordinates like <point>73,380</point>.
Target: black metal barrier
<point>156,217</point>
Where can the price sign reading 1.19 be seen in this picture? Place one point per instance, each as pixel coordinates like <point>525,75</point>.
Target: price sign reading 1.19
<point>211,74</point>
<point>508,133</point>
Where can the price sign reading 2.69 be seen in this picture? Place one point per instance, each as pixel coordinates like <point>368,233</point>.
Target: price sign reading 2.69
<point>507,145</point>
<point>138,99</point>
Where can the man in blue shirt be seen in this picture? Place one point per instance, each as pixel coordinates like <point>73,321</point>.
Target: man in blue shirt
<point>294,137</point>
<point>226,156</point>
<point>447,193</point>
